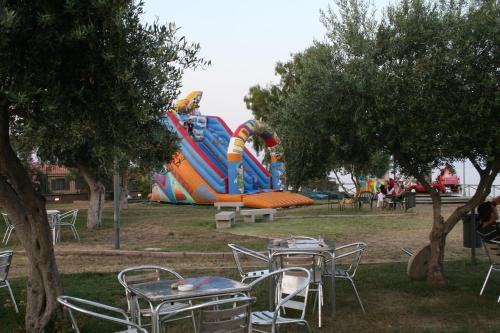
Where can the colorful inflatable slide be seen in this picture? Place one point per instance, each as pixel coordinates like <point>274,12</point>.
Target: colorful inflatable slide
<point>213,164</point>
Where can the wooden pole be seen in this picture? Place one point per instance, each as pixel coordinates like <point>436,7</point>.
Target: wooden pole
<point>116,197</point>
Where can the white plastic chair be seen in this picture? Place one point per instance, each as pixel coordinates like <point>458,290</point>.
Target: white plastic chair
<point>8,231</point>
<point>314,262</point>
<point>5,261</point>
<point>220,316</point>
<point>66,219</point>
<point>75,304</point>
<point>238,251</point>
<point>351,253</point>
<point>492,249</point>
<point>148,273</point>
<point>292,286</point>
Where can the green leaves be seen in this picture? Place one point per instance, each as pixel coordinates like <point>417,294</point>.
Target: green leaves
<point>92,81</point>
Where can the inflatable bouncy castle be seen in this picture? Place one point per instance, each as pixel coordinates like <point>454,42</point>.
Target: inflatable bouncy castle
<point>213,165</point>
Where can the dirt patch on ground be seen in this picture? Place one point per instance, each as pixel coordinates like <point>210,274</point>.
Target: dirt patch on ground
<point>159,235</point>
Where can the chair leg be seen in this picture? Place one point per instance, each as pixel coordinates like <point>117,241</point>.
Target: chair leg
<point>8,232</point>
<point>75,233</point>
<point>486,280</point>
<point>357,295</point>
<point>73,321</point>
<point>320,303</point>
<point>12,296</point>
<point>306,324</point>
<point>5,235</point>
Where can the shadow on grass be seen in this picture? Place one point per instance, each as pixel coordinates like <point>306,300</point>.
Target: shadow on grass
<point>393,303</point>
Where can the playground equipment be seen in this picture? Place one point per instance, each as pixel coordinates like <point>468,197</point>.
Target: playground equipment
<point>213,165</point>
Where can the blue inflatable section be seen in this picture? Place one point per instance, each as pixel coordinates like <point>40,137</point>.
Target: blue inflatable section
<point>217,139</point>
<point>213,139</point>
<point>211,177</point>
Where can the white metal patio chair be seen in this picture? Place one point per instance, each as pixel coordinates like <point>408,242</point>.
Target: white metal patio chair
<point>492,249</point>
<point>5,261</point>
<point>228,315</point>
<point>89,308</point>
<point>292,286</point>
<point>148,273</point>
<point>66,219</point>
<point>314,262</point>
<point>9,228</point>
<point>238,252</point>
<point>346,268</point>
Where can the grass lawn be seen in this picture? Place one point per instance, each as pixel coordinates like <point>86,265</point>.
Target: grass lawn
<point>393,303</point>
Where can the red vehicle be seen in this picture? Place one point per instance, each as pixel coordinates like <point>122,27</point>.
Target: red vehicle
<point>447,179</point>
<point>419,188</point>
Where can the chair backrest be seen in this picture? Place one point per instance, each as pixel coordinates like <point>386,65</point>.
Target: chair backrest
<point>68,217</point>
<point>239,251</point>
<point>5,260</point>
<point>292,288</point>
<point>350,256</point>
<point>141,274</point>
<point>365,197</point>
<point>6,219</point>
<point>492,249</point>
<point>230,315</point>
<point>90,308</point>
<point>314,262</point>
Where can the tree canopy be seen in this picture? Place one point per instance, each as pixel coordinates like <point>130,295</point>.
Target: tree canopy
<point>82,83</point>
<point>421,85</point>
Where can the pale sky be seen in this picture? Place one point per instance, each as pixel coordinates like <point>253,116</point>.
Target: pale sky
<point>244,39</point>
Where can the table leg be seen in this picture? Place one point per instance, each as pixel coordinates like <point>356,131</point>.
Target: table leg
<point>155,321</point>
<point>333,297</point>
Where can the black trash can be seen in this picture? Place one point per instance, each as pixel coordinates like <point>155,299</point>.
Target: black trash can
<point>411,200</point>
<point>471,223</point>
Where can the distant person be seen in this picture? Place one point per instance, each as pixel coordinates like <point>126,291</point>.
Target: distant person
<point>380,196</point>
<point>488,229</point>
<point>189,126</point>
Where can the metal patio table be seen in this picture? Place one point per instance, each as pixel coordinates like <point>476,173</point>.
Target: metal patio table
<point>326,247</point>
<point>156,292</point>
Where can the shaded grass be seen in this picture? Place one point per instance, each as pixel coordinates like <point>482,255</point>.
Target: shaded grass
<point>393,303</point>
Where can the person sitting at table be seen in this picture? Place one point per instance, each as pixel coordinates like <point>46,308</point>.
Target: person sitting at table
<point>488,229</point>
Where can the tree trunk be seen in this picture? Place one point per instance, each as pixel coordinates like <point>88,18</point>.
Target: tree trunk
<point>441,228</point>
<point>438,240</point>
<point>97,198</point>
<point>124,193</point>
<point>356,185</point>
<point>26,208</point>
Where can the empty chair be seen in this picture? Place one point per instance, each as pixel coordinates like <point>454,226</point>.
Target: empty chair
<point>292,286</point>
<point>9,228</point>
<point>228,315</point>
<point>89,308</point>
<point>346,268</point>
<point>314,262</point>
<point>492,249</point>
<point>5,260</point>
<point>67,219</point>
<point>239,251</point>
<point>143,274</point>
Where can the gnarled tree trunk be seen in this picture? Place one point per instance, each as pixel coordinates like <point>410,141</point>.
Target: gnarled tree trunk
<point>26,208</point>
<point>97,198</point>
<point>441,228</point>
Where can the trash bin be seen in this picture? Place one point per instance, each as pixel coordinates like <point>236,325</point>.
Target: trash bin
<point>411,200</point>
<point>471,223</point>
